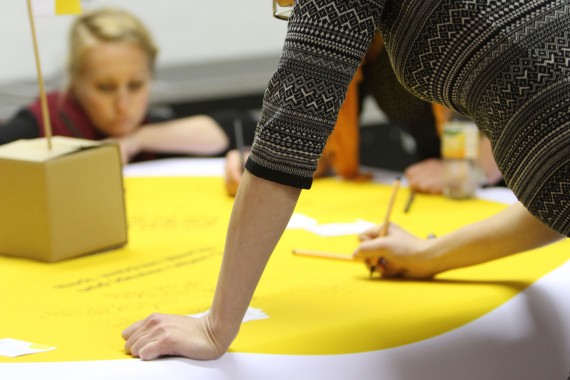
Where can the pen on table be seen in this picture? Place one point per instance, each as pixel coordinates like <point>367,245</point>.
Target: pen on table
<point>410,201</point>
<point>384,230</point>
<point>239,141</point>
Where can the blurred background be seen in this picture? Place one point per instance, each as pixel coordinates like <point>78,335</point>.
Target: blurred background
<point>216,54</point>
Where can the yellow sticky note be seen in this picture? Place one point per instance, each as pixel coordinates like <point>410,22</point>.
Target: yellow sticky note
<point>56,7</point>
<point>67,7</point>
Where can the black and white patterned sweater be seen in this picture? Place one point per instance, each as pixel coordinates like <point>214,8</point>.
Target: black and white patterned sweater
<point>504,63</point>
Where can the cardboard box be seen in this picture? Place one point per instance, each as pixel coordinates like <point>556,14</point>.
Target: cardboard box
<point>62,202</point>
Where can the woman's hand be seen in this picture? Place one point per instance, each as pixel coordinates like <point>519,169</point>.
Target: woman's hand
<point>426,176</point>
<point>233,169</point>
<point>129,147</point>
<point>399,253</point>
<point>511,231</point>
<point>177,335</point>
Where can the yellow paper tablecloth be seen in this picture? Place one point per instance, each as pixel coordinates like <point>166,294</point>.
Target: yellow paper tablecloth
<point>176,236</point>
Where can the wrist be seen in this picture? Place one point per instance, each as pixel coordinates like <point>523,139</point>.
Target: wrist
<point>137,141</point>
<point>222,332</point>
<point>435,257</point>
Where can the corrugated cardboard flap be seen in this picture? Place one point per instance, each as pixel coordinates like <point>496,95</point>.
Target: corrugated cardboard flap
<point>62,202</point>
<point>36,150</point>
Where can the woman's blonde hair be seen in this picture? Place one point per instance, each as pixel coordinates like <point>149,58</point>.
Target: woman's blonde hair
<point>107,25</point>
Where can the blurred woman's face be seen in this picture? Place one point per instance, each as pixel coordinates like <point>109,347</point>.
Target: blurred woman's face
<point>113,87</point>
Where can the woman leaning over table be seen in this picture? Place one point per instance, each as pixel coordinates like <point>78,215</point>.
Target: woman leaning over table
<point>110,68</point>
<point>504,63</point>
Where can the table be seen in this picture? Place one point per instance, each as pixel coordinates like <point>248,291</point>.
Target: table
<point>526,337</point>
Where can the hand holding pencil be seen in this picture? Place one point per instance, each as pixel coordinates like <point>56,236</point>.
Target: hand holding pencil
<point>388,248</point>
<point>400,253</point>
<point>404,254</point>
<point>233,169</point>
<point>383,230</point>
<point>235,161</point>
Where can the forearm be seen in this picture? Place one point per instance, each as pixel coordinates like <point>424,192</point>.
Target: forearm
<point>260,214</point>
<point>196,135</point>
<point>511,231</point>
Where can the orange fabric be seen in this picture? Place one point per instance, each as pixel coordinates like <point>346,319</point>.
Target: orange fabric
<point>342,151</point>
<point>442,115</point>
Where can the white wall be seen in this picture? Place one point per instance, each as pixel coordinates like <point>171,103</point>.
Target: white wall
<point>187,31</point>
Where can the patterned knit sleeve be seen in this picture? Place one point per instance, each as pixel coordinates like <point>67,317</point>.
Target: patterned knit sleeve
<point>325,43</point>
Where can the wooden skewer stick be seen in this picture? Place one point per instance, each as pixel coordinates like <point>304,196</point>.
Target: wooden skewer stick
<point>43,97</point>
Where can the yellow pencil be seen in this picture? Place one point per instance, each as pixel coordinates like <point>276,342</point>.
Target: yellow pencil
<point>324,255</point>
<point>345,257</point>
<point>384,229</point>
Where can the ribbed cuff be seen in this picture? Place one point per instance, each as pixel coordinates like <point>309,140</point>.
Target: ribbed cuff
<point>278,176</point>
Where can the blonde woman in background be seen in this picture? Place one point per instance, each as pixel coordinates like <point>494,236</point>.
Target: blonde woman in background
<point>110,67</point>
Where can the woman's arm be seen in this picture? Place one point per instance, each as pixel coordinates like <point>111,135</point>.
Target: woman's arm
<point>299,110</point>
<point>509,232</point>
<point>195,135</point>
<point>427,176</point>
<point>260,214</point>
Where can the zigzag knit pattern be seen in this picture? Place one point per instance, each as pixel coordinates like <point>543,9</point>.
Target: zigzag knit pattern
<point>504,63</point>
